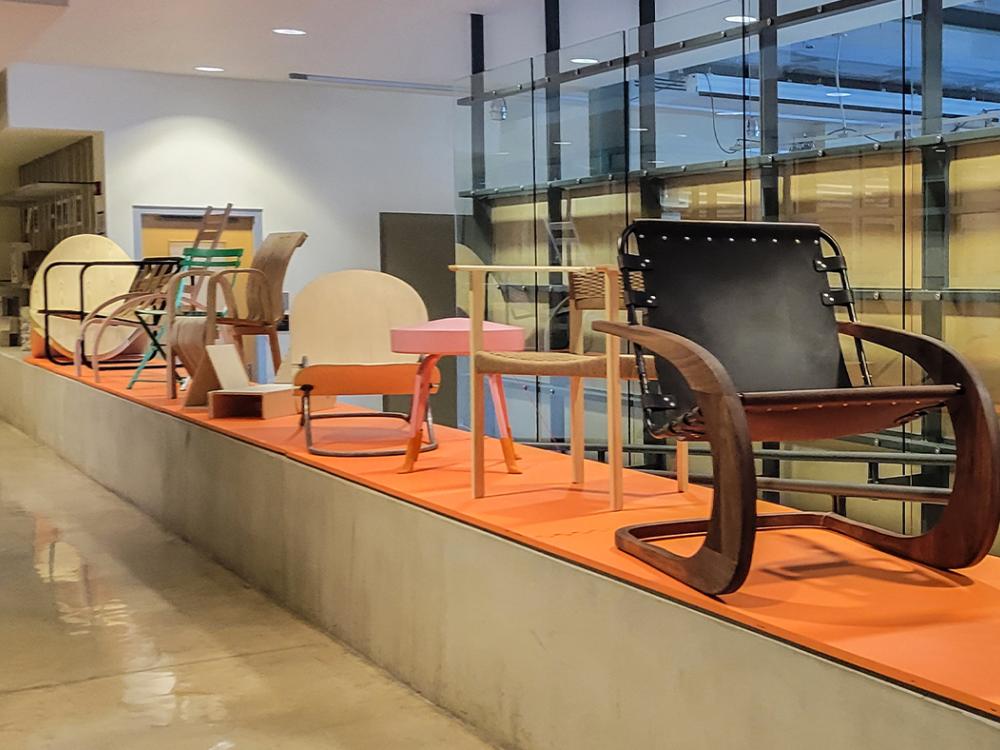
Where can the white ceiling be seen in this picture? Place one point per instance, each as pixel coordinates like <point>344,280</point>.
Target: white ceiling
<point>425,41</point>
<point>20,24</point>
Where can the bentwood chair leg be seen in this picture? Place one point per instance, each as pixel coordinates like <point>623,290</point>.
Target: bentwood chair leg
<point>683,465</point>
<point>272,338</point>
<point>171,372</point>
<point>577,417</point>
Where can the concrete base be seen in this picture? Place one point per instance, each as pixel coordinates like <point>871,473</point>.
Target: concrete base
<point>532,651</point>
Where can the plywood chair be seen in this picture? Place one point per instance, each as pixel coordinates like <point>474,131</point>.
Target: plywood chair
<point>341,325</point>
<point>187,300</point>
<point>256,312</point>
<point>740,319</point>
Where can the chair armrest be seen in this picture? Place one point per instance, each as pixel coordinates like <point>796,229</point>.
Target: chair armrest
<point>129,303</point>
<point>699,367</point>
<point>942,363</point>
<point>118,298</point>
<point>219,280</point>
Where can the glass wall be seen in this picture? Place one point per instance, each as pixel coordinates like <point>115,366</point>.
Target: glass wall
<point>877,120</point>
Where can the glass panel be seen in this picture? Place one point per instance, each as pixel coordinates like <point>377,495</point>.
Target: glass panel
<point>845,119</point>
<point>581,146</point>
<point>496,206</point>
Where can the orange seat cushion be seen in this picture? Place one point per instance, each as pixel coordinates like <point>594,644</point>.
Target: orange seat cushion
<point>362,380</point>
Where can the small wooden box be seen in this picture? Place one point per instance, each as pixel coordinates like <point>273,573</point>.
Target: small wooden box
<point>251,404</point>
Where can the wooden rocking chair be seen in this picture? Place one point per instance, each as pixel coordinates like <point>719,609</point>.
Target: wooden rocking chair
<point>740,319</point>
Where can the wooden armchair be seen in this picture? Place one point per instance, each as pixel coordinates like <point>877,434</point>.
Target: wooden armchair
<point>255,312</point>
<point>590,288</point>
<point>740,319</point>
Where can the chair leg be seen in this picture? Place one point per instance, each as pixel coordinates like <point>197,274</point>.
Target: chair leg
<point>506,436</point>
<point>722,562</point>
<point>577,427</point>
<point>272,338</point>
<point>683,465</point>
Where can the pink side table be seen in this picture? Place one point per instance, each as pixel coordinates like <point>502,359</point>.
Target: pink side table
<point>450,337</point>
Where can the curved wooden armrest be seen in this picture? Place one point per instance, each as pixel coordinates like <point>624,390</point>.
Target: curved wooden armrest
<point>118,298</point>
<point>220,280</point>
<point>941,362</point>
<point>175,284</point>
<point>699,367</point>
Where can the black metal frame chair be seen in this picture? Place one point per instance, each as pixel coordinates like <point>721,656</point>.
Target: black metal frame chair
<point>151,274</point>
<point>740,318</point>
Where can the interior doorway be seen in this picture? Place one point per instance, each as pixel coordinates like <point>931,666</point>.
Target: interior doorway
<point>166,230</point>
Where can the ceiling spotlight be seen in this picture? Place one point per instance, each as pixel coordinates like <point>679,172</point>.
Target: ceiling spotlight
<point>289,32</point>
<point>584,61</point>
<point>741,19</point>
<point>209,69</point>
<point>838,94</point>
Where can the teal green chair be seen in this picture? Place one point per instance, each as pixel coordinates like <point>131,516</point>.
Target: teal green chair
<point>186,300</point>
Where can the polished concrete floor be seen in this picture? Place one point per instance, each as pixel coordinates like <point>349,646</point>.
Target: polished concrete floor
<point>115,634</point>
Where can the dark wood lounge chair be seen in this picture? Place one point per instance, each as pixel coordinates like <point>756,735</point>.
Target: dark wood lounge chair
<point>740,317</point>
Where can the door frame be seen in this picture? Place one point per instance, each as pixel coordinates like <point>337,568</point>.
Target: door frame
<point>256,214</point>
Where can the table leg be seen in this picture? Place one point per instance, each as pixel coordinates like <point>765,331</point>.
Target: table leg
<point>477,307</point>
<point>506,437</point>
<point>418,410</point>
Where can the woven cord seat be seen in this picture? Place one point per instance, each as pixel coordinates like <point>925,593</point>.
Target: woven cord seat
<point>556,364</point>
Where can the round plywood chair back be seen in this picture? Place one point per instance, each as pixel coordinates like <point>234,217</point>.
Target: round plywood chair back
<point>64,290</point>
<point>345,318</point>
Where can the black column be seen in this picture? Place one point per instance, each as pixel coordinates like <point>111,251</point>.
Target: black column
<point>479,236</point>
<point>935,163</point>
<point>553,124</point>
<point>649,187</point>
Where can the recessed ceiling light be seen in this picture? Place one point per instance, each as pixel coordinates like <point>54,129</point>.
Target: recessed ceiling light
<point>682,135</point>
<point>503,153</point>
<point>584,61</point>
<point>289,32</point>
<point>639,130</point>
<point>209,69</point>
<point>837,94</point>
<point>562,143</point>
<point>741,19</point>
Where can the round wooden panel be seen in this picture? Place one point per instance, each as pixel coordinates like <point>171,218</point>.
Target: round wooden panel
<point>64,293</point>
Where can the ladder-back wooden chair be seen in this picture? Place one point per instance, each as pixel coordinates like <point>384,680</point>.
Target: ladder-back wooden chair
<point>740,318</point>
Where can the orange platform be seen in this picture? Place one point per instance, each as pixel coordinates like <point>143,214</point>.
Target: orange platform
<point>937,632</point>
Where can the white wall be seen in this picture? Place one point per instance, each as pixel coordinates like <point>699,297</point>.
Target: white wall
<point>313,157</point>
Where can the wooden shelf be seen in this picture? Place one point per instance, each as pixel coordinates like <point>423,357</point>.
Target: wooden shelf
<point>39,192</point>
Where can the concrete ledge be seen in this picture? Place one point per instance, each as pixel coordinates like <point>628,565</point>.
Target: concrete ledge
<point>532,651</point>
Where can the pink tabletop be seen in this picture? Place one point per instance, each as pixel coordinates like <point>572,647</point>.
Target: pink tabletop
<point>450,336</point>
